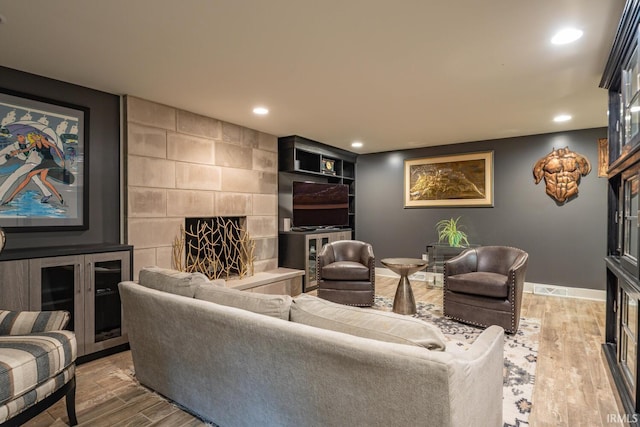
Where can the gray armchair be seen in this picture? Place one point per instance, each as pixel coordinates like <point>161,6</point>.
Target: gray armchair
<point>346,273</point>
<point>483,286</point>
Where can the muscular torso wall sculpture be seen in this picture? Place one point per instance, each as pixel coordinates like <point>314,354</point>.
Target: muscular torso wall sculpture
<point>561,170</point>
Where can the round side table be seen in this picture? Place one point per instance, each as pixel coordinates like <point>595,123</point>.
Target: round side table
<point>404,303</point>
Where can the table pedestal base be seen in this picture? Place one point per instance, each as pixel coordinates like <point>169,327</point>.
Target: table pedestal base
<point>404,303</point>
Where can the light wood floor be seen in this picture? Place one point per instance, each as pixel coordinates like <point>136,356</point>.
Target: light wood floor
<point>573,385</point>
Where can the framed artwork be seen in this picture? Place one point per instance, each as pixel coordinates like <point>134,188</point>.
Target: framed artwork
<point>603,157</point>
<point>43,163</point>
<point>457,180</point>
<point>329,166</point>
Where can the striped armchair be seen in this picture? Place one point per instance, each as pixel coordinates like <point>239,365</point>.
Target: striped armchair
<point>37,364</point>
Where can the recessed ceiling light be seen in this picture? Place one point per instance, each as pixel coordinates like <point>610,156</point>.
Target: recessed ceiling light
<point>261,111</point>
<point>566,35</point>
<point>562,118</point>
<point>357,144</point>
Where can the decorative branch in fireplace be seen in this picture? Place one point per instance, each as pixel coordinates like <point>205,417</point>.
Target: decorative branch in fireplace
<point>218,247</point>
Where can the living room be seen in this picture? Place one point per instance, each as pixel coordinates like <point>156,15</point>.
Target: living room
<point>152,161</point>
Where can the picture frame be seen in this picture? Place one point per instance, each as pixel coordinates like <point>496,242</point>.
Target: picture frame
<point>329,166</point>
<point>603,157</point>
<point>44,147</point>
<point>459,180</point>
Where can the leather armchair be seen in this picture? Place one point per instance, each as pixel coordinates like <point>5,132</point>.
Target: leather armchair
<point>483,286</point>
<point>346,273</point>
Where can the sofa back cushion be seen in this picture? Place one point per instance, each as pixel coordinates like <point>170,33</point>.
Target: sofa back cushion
<point>28,322</point>
<point>173,281</point>
<point>366,323</point>
<point>277,306</point>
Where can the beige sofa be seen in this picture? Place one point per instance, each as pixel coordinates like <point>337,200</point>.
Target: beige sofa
<point>253,366</point>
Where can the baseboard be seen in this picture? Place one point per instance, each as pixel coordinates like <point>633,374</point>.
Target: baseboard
<point>565,291</point>
<point>529,287</point>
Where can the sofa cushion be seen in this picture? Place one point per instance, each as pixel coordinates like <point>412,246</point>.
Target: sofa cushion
<point>173,281</point>
<point>270,305</point>
<point>479,283</point>
<point>345,270</point>
<point>366,323</point>
<point>27,361</point>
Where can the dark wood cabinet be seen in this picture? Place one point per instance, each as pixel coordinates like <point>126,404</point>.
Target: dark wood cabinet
<point>622,78</point>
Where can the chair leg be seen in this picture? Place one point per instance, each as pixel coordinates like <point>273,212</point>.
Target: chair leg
<point>71,403</point>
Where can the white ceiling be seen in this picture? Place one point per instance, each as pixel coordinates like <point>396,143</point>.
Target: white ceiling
<point>392,74</point>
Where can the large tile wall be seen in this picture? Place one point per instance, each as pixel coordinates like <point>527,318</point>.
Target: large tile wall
<point>180,164</point>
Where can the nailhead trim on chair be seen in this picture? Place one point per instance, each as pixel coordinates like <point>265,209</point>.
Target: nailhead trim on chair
<point>513,304</point>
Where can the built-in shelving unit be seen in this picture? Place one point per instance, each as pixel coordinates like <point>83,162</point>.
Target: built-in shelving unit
<point>304,159</point>
<point>301,159</point>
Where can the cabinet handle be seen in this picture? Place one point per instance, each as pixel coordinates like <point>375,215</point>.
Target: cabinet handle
<point>90,278</point>
<point>78,284</point>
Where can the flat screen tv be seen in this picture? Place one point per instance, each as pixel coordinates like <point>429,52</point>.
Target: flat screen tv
<point>320,204</point>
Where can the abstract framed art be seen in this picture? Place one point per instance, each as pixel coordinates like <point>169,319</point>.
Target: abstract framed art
<point>456,180</point>
<point>43,163</point>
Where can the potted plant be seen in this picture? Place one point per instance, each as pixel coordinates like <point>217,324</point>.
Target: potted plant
<point>450,231</point>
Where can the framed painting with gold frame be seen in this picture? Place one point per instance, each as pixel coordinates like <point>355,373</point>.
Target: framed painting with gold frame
<point>456,180</point>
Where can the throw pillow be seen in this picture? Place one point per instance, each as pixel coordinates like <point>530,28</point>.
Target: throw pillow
<point>366,323</point>
<point>270,305</point>
<point>173,281</point>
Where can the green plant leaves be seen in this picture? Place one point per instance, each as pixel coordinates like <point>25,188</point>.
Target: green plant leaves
<point>450,231</point>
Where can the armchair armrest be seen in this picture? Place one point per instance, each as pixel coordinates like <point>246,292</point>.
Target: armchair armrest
<point>516,274</point>
<point>28,322</point>
<point>366,255</point>
<point>325,257</point>
<point>519,267</point>
<point>466,262</point>
<point>369,259</point>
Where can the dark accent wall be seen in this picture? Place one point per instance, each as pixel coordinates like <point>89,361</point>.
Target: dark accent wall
<point>104,160</point>
<point>566,244</point>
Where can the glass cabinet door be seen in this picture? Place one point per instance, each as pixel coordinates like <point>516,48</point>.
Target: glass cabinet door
<point>56,284</point>
<point>628,338</point>
<point>630,97</point>
<point>311,278</point>
<point>629,204</point>
<point>102,299</point>
<point>630,238</point>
